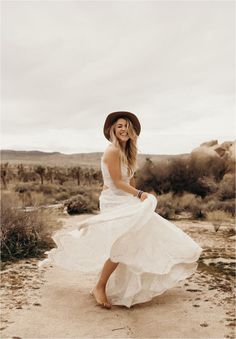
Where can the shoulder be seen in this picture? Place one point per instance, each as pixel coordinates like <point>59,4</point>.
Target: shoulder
<point>111,153</point>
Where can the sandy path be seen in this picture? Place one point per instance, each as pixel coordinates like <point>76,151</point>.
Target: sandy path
<point>194,309</point>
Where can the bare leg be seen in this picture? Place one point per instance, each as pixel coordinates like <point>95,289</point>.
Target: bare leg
<point>99,290</point>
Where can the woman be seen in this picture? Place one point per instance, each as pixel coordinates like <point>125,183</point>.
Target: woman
<point>138,253</point>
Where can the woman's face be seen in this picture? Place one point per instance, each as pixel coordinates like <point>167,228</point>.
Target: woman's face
<point>121,130</point>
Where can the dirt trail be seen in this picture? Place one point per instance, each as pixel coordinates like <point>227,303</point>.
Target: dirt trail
<point>64,308</point>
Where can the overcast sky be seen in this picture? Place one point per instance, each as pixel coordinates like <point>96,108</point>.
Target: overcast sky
<point>67,64</point>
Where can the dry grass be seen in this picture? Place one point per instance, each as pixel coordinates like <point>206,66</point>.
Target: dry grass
<point>166,205</point>
<point>218,216</point>
<point>35,193</point>
<point>170,205</point>
<point>186,200</point>
<point>181,185</point>
<point>24,234</point>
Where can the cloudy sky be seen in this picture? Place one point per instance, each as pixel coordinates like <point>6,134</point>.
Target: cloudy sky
<point>67,64</point>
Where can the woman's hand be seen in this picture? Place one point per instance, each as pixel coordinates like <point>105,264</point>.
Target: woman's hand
<point>144,196</point>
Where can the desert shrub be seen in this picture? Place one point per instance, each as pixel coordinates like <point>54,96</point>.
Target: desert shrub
<point>61,196</point>
<point>207,184</point>
<point>24,234</point>
<point>188,176</point>
<point>39,199</point>
<point>32,187</point>
<point>85,202</point>
<point>47,189</point>
<point>197,211</point>
<point>78,205</point>
<point>214,167</point>
<point>41,194</point>
<point>224,206</point>
<point>178,175</point>
<point>170,205</point>
<point>227,188</point>
<point>60,176</point>
<point>167,212</point>
<point>35,193</point>
<point>218,216</point>
<point>153,177</point>
<point>190,203</point>
<point>21,188</point>
<point>186,200</point>
<point>166,205</point>
<point>74,190</point>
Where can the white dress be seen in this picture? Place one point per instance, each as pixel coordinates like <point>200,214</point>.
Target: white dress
<point>153,253</point>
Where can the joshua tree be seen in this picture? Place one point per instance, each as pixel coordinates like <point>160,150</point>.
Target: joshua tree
<point>87,176</point>
<point>61,177</point>
<point>21,172</point>
<point>49,174</point>
<point>97,176</point>
<point>4,174</point>
<point>76,174</point>
<point>40,170</point>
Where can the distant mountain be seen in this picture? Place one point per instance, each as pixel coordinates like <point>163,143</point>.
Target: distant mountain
<point>67,160</point>
<point>212,148</point>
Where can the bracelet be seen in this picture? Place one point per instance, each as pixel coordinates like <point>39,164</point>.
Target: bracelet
<point>139,194</point>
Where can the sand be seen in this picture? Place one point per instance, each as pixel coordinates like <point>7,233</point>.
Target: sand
<point>55,303</point>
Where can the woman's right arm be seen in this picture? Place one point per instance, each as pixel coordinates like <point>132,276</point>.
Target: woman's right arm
<point>113,164</point>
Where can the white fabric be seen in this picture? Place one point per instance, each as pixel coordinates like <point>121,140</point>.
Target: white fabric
<point>108,180</point>
<point>153,253</point>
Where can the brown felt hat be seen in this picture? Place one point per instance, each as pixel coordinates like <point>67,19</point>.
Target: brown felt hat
<point>112,117</point>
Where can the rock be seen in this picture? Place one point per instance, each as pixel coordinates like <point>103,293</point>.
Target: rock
<point>226,150</point>
<point>210,143</point>
<point>37,304</point>
<point>204,324</point>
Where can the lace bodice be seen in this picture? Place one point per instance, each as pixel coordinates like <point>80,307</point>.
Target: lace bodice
<point>107,178</point>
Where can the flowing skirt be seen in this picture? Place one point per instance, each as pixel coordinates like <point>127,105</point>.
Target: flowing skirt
<point>152,252</point>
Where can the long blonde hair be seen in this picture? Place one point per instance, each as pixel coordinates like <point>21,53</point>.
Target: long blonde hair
<point>129,155</point>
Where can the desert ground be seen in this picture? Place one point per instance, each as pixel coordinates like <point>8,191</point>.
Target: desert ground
<point>55,303</point>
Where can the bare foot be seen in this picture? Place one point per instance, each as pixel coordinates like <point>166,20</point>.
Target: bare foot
<point>99,294</point>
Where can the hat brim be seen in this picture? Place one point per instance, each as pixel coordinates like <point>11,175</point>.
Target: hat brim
<point>112,117</point>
